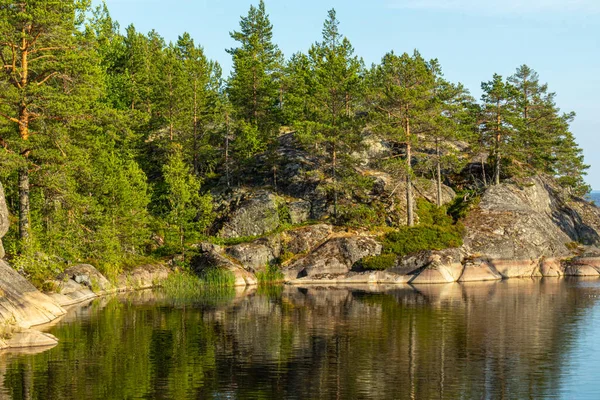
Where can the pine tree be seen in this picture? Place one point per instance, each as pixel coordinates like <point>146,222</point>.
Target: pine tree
<point>402,93</point>
<point>336,86</point>
<point>499,125</point>
<point>44,57</point>
<point>253,86</point>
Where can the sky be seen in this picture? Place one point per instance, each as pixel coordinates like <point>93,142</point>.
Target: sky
<point>472,39</point>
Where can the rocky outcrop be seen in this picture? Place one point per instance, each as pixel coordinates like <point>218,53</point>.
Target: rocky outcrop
<point>21,307</point>
<point>3,219</point>
<point>335,257</point>
<point>256,255</point>
<point>255,215</point>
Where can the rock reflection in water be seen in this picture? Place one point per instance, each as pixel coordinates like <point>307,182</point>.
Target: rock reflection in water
<point>480,340</point>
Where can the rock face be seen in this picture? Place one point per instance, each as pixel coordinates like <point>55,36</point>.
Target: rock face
<point>256,255</point>
<point>3,219</point>
<point>254,216</point>
<point>21,307</point>
<point>213,256</point>
<point>335,257</point>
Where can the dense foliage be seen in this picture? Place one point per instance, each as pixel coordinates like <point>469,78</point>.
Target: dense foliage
<point>110,138</point>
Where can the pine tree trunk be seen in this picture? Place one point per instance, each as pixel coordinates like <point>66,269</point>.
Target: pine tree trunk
<point>498,138</point>
<point>439,174</point>
<point>24,225</point>
<point>410,217</point>
<point>334,173</point>
<point>196,168</point>
<point>227,178</point>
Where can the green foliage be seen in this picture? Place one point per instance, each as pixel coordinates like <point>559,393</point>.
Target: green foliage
<point>362,215</point>
<point>271,274</point>
<point>185,286</point>
<point>380,262</point>
<point>464,202</point>
<point>408,240</point>
<point>217,277</point>
<point>283,212</point>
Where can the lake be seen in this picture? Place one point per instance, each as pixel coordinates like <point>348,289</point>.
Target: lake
<point>595,196</point>
<point>507,339</point>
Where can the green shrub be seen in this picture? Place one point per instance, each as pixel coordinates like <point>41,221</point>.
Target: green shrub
<point>463,203</point>
<point>409,240</point>
<point>362,215</point>
<point>283,211</point>
<point>380,262</point>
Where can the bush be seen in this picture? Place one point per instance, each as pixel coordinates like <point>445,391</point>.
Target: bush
<point>409,240</point>
<point>380,262</point>
<point>463,203</point>
<point>362,215</point>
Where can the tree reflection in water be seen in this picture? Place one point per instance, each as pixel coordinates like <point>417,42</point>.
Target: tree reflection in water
<point>508,339</point>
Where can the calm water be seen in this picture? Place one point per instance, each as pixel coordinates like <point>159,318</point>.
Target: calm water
<point>595,196</point>
<point>516,339</point>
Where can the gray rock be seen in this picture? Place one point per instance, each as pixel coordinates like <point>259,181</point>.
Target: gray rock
<point>87,275</point>
<point>255,216</point>
<point>299,211</point>
<point>337,256</point>
<point>519,223</point>
<point>254,256</point>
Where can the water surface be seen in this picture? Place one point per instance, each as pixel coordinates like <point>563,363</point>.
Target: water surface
<point>510,339</point>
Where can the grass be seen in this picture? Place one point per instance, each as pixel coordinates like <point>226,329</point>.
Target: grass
<point>271,274</point>
<point>183,287</point>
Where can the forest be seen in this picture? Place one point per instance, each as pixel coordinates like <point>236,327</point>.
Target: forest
<point>114,143</point>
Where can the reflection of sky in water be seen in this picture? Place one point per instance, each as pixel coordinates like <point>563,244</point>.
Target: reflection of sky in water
<point>581,379</point>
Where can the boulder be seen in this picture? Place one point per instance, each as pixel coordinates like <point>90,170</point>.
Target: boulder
<point>21,303</point>
<point>4,222</point>
<point>143,277</point>
<point>88,276</point>
<point>337,256</point>
<point>299,211</point>
<point>212,256</point>
<point>254,216</point>
<point>255,256</point>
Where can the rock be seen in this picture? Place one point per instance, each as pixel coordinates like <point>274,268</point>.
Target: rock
<point>299,211</point>
<point>254,256</point>
<point>551,267</point>
<point>143,277</point>
<point>337,256</point>
<point>4,222</point>
<point>213,258</point>
<point>479,271</point>
<point>87,275</point>
<point>21,303</point>
<point>254,216</point>
<point>30,338</point>
<point>305,239</point>
<point>518,223</point>
<point>517,268</point>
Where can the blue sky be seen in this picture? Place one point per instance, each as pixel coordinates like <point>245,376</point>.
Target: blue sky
<point>472,39</point>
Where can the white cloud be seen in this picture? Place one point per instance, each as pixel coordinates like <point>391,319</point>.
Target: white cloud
<point>501,7</point>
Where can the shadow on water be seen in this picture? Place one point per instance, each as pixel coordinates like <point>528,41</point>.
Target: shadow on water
<point>509,339</point>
